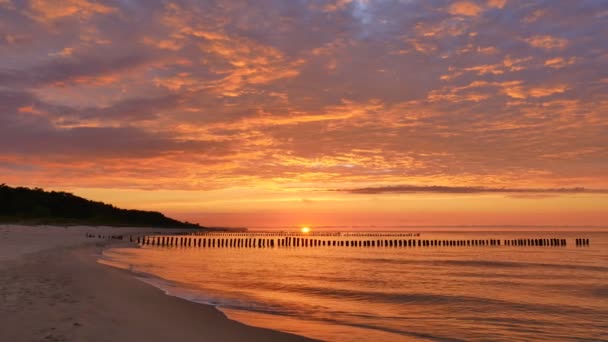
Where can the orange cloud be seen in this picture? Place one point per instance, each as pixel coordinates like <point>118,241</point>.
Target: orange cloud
<point>474,92</point>
<point>489,50</point>
<point>31,110</point>
<point>249,62</point>
<point>494,69</point>
<point>517,90</point>
<point>559,62</point>
<point>572,154</point>
<point>481,90</point>
<point>547,42</point>
<point>164,44</point>
<point>534,16</point>
<point>497,3</point>
<point>547,91</point>
<point>515,64</point>
<point>336,5</point>
<point>421,46</point>
<point>90,35</point>
<point>66,52</point>
<point>49,10</point>
<point>177,82</point>
<point>465,8</point>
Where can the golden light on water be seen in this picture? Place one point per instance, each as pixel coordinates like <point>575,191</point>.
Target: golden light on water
<point>305,230</point>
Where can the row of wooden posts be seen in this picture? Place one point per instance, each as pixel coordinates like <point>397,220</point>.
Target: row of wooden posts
<point>582,242</point>
<point>186,241</point>
<point>285,234</point>
<point>100,236</point>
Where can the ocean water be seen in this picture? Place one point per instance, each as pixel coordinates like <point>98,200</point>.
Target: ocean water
<point>497,293</point>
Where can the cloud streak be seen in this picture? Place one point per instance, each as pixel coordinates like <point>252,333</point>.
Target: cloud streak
<point>439,189</point>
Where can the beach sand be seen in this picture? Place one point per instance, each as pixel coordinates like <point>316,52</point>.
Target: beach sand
<point>53,289</point>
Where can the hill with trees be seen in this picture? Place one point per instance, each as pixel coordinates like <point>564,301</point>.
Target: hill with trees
<point>36,206</point>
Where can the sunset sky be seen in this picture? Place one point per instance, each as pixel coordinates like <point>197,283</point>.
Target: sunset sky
<point>292,112</point>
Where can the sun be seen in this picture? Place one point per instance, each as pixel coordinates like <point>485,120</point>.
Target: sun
<point>305,230</point>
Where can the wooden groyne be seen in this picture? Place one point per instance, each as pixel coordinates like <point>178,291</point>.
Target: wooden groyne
<point>301,234</point>
<point>104,237</point>
<point>220,241</point>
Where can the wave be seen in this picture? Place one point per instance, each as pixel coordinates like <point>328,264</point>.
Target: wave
<point>468,263</point>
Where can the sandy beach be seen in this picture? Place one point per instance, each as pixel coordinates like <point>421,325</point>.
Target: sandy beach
<point>53,289</point>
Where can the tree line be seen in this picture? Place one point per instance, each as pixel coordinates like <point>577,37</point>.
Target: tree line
<point>37,206</point>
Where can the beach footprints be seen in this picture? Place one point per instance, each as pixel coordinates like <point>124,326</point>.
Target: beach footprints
<point>52,335</point>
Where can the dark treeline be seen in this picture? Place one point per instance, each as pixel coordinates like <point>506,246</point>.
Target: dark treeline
<point>24,205</point>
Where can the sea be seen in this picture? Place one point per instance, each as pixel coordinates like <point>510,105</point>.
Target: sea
<point>467,293</point>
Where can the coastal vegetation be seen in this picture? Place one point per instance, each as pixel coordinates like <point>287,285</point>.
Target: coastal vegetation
<point>37,206</point>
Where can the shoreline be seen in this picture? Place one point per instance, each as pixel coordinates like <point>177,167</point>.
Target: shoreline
<point>63,294</point>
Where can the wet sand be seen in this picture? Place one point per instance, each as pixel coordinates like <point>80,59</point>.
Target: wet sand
<point>58,292</point>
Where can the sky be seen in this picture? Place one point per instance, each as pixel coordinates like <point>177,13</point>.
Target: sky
<point>311,112</point>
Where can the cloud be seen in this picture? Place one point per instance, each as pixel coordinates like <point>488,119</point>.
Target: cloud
<point>50,10</point>
<point>547,42</point>
<point>497,3</point>
<point>81,141</point>
<point>518,91</point>
<point>64,70</point>
<point>65,52</point>
<point>404,189</point>
<point>559,62</point>
<point>465,8</point>
<point>16,167</point>
<point>8,4</point>
<point>336,5</point>
<point>534,16</point>
<point>196,94</point>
